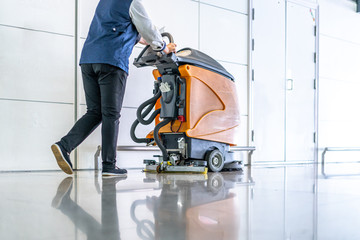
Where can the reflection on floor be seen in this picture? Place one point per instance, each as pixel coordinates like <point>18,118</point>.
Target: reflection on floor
<point>292,202</point>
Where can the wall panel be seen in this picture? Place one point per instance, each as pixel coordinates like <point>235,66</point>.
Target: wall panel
<point>218,29</point>
<point>339,133</point>
<point>28,130</point>
<point>340,20</point>
<point>339,100</point>
<point>86,13</point>
<point>234,5</point>
<point>56,16</point>
<point>182,22</point>
<point>339,77</point>
<point>339,59</point>
<point>36,66</point>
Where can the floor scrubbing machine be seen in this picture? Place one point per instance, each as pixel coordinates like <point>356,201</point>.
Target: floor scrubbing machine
<point>196,112</point>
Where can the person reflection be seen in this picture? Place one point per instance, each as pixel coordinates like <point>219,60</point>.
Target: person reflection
<point>109,226</point>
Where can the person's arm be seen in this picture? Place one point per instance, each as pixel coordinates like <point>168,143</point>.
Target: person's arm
<point>143,41</point>
<point>149,33</point>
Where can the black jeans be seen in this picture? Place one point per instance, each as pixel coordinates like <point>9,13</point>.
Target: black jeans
<point>104,87</point>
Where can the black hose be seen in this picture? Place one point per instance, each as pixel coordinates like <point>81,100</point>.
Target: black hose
<point>153,116</point>
<point>133,136</point>
<point>157,139</point>
<point>144,228</point>
<point>136,122</point>
<point>150,103</point>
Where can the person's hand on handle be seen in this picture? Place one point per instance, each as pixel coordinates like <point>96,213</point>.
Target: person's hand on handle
<point>171,47</point>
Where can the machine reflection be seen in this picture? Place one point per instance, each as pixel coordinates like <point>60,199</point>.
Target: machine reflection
<point>192,206</point>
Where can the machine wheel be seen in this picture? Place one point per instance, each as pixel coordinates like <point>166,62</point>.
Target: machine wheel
<point>215,160</point>
<point>158,169</point>
<point>215,182</point>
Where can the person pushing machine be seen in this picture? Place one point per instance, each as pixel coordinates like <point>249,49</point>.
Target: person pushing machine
<point>117,26</point>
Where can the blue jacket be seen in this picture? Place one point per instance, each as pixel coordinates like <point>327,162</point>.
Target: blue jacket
<point>112,35</point>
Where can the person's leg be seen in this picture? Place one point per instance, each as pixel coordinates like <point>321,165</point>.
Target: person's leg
<point>109,212</point>
<point>112,81</point>
<point>91,120</point>
<point>80,218</point>
<point>85,125</point>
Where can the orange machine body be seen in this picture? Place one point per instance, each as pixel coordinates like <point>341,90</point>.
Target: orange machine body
<point>212,108</point>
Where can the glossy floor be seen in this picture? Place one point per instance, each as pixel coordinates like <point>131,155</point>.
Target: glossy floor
<point>293,202</point>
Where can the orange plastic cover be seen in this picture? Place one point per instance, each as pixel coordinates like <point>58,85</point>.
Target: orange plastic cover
<point>212,109</point>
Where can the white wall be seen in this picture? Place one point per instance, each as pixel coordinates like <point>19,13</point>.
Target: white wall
<point>36,80</point>
<point>37,62</point>
<point>339,114</point>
